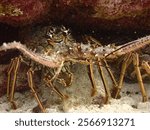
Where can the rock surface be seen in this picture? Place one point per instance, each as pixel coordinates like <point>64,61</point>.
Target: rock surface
<point>20,12</point>
<point>94,14</point>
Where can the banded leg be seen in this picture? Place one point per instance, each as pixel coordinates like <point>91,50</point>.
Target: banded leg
<point>31,85</point>
<point>10,69</point>
<point>91,75</point>
<point>14,66</point>
<point>110,73</point>
<point>116,91</point>
<point>65,78</point>
<point>50,85</point>
<point>139,77</point>
<point>146,67</point>
<point>107,91</point>
<point>57,71</point>
<point>70,76</point>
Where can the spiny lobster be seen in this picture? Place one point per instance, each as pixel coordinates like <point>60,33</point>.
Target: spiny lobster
<point>61,48</point>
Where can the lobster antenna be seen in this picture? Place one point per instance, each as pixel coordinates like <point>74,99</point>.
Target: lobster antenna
<point>53,61</point>
<point>132,46</point>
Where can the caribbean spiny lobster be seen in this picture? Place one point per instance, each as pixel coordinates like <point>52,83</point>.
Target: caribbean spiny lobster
<point>61,48</point>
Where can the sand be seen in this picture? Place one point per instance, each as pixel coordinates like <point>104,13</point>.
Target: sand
<point>79,97</point>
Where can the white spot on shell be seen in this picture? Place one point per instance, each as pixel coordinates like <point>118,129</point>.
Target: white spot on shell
<point>58,52</point>
<point>4,44</point>
<point>96,55</point>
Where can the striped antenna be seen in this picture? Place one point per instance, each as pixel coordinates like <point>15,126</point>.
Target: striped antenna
<point>131,46</point>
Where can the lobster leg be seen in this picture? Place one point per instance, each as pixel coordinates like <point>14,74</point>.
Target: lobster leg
<point>49,84</point>
<point>30,82</point>
<point>10,69</point>
<point>91,75</point>
<point>57,72</point>
<point>14,66</point>
<point>70,76</point>
<point>110,73</point>
<point>65,78</point>
<point>107,91</point>
<point>146,67</point>
<point>116,91</point>
<point>139,77</point>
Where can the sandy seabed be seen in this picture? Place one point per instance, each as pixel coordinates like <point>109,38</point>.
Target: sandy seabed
<point>128,103</point>
<point>79,98</point>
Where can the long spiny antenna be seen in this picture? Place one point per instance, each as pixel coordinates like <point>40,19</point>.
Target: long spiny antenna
<point>53,60</point>
<point>131,46</point>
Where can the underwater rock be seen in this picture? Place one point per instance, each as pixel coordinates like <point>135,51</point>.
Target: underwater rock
<point>103,14</point>
<point>94,14</point>
<point>21,12</point>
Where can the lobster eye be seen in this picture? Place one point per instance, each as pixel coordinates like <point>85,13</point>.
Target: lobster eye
<point>63,28</point>
<point>49,35</point>
<point>65,31</point>
<point>51,31</point>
